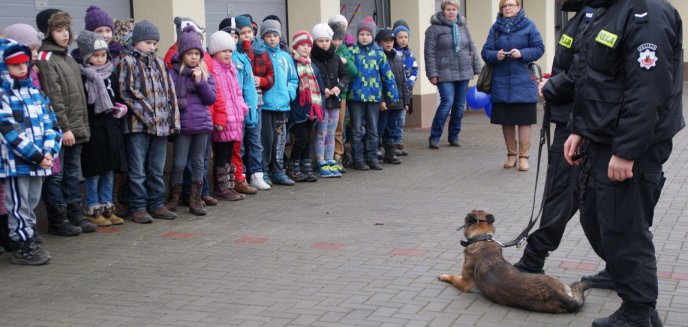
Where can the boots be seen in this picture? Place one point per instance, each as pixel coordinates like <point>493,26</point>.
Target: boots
<point>173,201</point>
<point>29,253</point>
<point>108,211</point>
<point>75,215</point>
<point>243,188</point>
<point>531,262</point>
<point>400,150</point>
<point>308,171</point>
<point>523,150</point>
<point>196,205</point>
<point>629,315</point>
<point>93,214</point>
<point>58,223</point>
<point>119,196</point>
<point>258,182</point>
<point>599,280</point>
<point>224,184</point>
<point>510,155</point>
<point>391,154</point>
<point>295,172</point>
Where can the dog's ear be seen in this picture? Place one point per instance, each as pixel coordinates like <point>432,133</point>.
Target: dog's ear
<point>490,218</point>
<point>471,218</point>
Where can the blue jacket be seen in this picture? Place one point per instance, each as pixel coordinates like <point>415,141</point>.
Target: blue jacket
<point>299,113</point>
<point>28,125</point>
<point>410,66</point>
<point>373,71</point>
<point>511,82</point>
<point>283,92</point>
<point>245,78</point>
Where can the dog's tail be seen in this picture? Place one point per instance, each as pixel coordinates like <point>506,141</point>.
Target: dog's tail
<point>577,296</point>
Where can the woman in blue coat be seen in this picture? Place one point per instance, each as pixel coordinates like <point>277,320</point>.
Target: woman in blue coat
<point>513,42</point>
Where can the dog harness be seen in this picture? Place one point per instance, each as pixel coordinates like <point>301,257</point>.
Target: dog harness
<point>485,237</point>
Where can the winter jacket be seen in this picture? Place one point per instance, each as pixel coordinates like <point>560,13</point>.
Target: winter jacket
<point>394,57</point>
<point>299,113</point>
<point>195,100</point>
<point>373,71</point>
<point>283,91</point>
<point>248,90</point>
<point>511,82</point>
<point>410,66</point>
<point>344,53</point>
<point>333,73</point>
<point>147,89</point>
<point>28,125</point>
<point>61,81</point>
<point>104,152</point>
<point>261,65</point>
<point>235,107</point>
<point>441,60</point>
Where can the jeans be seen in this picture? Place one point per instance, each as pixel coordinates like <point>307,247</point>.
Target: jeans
<point>452,100</point>
<point>99,189</point>
<point>146,157</point>
<point>63,189</point>
<point>387,126</point>
<point>364,116</point>
<point>186,182</point>
<point>253,148</point>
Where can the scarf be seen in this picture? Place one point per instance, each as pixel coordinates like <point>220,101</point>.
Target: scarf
<point>309,91</point>
<point>323,55</point>
<point>95,86</point>
<point>456,36</point>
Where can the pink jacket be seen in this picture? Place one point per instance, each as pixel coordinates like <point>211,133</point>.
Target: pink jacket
<point>226,80</point>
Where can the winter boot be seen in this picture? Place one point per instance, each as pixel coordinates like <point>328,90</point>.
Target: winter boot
<point>235,196</point>
<point>109,214</point>
<point>75,215</point>
<point>629,315</point>
<point>209,200</point>
<point>511,154</point>
<point>225,186</point>
<point>333,168</point>
<point>531,262</point>
<point>374,165</point>
<point>243,188</point>
<point>119,195</point>
<point>308,170</point>
<point>391,154</point>
<point>58,223</point>
<point>29,253</point>
<point>523,150</point>
<point>400,150</point>
<point>196,205</point>
<point>92,214</point>
<point>173,201</point>
<point>258,182</point>
<point>295,172</point>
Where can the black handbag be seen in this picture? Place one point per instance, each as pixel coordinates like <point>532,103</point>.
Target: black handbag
<point>484,83</point>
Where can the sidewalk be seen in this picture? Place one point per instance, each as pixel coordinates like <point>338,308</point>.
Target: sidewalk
<point>364,250</point>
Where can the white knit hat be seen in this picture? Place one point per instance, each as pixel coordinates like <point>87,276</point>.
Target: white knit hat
<point>220,41</point>
<point>322,31</point>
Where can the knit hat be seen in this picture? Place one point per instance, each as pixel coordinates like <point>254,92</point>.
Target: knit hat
<point>96,17</point>
<point>23,33</point>
<point>123,30</point>
<point>273,17</point>
<point>270,25</point>
<point>301,37</point>
<point>182,22</point>
<point>90,42</point>
<point>220,41</point>
<point>338,24</point>
<point>16,54</point>
<point>145,30</point>
<point>400,22</point>
<point>401,28</point>
<point>367,24</point>
<point>322,31</point>
<point>384,34</point>
<point>42,19</point>
<point>189,39</point>
<point>58,19</point>
<point>235,24</point>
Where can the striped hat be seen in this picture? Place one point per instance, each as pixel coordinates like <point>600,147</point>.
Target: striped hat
<point>301,37</point>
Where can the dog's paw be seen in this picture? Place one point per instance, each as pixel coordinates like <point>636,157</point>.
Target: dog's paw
<point>443,278</point>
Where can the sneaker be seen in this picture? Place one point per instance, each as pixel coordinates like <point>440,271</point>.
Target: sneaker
<point>163,213</point>
<point>29,253</point>
<point>268,179</point>
<point>65,229</point>
<point>258,182</point>
<point>434,144</point>
<point>600,280</point>
<point>140,217</point>
<point>455,142</point>
<point>374,165</point>
<point>282,179</point>
<point>325,170</point>
<point>339,165</point>
<point>334,169</point>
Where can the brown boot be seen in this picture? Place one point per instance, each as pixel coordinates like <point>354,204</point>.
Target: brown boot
<point>175,193</point>
<point>510,155</point>
<point>209,200</point>
<point>243,187</point>
<point>523,151</point>
<point>196,205</point>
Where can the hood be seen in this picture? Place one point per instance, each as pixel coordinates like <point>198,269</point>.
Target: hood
<point>508,25</point>
<point>258,46</point>
<point>439,19</point>
<point>573,5</point>
<point>10,45</point>
<point>50,45</point>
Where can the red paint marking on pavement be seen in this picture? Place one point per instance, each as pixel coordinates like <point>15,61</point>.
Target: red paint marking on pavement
<point>407,252</point>
<point>593,267</point>
<point>569,265</point>
<point>109,230</point>
<point>679,276</point>
<point>328,246</point>
<point>178,235</point>
<point>587,266</point>
<point>252,240</point>
<point>664,274</point>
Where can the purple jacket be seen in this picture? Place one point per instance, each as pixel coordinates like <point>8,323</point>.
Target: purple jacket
<point>193,99</point>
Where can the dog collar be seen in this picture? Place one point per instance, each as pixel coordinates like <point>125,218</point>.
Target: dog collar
<point>485,237</point>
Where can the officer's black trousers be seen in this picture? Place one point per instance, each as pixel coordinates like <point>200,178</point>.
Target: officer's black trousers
<point>561,201</point>
<point>616,217</point>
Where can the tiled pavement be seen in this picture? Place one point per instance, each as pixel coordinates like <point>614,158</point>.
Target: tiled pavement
<point>364,250</point>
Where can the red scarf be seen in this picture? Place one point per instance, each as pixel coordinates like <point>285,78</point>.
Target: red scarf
<point>309,91</point>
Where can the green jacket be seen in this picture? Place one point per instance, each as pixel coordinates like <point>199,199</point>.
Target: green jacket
<point>343,52</point>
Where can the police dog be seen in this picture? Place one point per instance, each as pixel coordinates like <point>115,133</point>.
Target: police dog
<point>486,271</point>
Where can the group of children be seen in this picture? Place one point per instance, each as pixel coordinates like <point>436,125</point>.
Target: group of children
<point>108,110</point>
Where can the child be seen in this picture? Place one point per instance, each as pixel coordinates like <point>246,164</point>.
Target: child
<point>28,36</point>
<point>306,109</point>
<point>401,38</point>
<point>335,78</point>
<point>61,81</point>
<point>104,153</point>
<point>390,112</point>
<point>148,91</point>
<point>366,95</point>
<point>195,89</point>
<point>221,46</point>
<point>276,101</point>
<point>99,22</point>
<point>27,150</point>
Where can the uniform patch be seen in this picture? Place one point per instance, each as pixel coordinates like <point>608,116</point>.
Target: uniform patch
<point>607,38</point>
<point>647,57</point>
<point>566,41</point>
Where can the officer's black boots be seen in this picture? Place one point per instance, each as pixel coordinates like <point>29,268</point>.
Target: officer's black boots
<point>629,315</point>
<point>599,280</point>
<point>531,262</point>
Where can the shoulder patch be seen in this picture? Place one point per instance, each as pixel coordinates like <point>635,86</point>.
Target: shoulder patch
<point>566,41</point>
<point>607,38</point>
<point>647,56</point>
<point>44,55</point>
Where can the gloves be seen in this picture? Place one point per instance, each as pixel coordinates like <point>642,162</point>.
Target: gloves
<point>119,110</point>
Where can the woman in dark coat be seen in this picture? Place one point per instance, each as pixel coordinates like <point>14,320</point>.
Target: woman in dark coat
<point>513,42</point>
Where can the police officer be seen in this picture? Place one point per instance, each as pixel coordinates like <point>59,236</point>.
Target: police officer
<point>627,109</point>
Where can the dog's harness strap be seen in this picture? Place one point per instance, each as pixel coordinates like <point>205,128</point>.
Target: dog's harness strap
<point>486,237</point>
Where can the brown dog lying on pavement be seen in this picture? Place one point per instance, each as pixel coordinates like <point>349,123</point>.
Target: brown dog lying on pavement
<point>486,271</point>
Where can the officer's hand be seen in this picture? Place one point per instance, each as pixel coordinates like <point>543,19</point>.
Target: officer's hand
<point>540,86</point>
<point>620,169</point>
<point>571,147</point>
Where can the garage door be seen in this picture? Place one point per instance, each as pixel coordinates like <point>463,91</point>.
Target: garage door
<point>217,10</point>
<point>25,11</point>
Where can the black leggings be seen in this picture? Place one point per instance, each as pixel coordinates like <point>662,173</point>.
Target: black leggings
<point>223,153</point>
<point>303,140</point>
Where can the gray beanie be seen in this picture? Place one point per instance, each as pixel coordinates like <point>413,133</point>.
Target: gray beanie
<point>338,24</point>
<point>90,42</point>
<point>145,30</point>
<point>270,25</point>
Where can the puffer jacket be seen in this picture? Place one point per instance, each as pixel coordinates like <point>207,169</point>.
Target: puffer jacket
<point>283,91</point>
<point>441,60</point>
<point>333,73</point>
<point>373,71</point>
<point>28,125</point>
<point>235,107</point>
<point>248,90</point>
<point>395,61</point>
<point>61,81</point>
<point>344,54</point>
<point>195,100</point>
<point>511,81</point>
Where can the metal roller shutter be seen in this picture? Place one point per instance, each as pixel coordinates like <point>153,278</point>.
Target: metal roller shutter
<point>217,10</point>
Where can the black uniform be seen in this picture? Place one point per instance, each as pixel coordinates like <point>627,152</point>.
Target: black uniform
<point>628,104</point>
